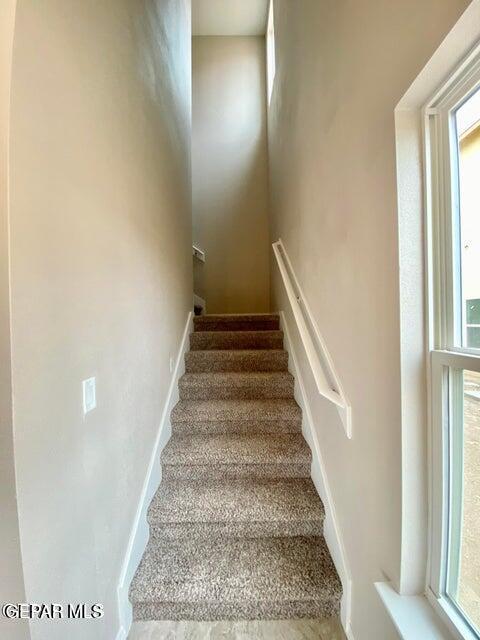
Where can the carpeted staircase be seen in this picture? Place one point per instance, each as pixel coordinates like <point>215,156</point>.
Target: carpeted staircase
<point>236,525</point>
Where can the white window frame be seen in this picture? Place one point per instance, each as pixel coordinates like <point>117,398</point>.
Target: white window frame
<point>447,356</point>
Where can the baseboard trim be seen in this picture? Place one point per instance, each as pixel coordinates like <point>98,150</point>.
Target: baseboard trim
<point>121,635</point>
<point>332,532</point>
<point>140,531</point>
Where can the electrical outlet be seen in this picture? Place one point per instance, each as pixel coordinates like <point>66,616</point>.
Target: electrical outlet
<point>89,395</point>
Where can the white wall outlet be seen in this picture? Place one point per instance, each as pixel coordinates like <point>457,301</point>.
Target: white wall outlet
<point>89,395</point>
<point>172,364</point>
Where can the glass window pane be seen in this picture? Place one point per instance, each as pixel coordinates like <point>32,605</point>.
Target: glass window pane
<point>464,548</point>
<point>468,132</point>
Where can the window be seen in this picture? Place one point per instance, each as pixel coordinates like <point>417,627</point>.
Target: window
<point>453,204</point>
<point>467,119</point>
<point>271,61</point>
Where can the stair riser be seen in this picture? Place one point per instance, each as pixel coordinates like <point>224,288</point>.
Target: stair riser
<point>326,608</point>
<point>235,362</point>
<point>237,426</point>
<point>164,532</point>
<point>238,325</point>
<point>283,389</point>
<point>223,471</point>
<point>224,341</point>
<point>237,322</point>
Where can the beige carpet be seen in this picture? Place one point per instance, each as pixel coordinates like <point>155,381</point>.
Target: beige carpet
<point>236,525</point>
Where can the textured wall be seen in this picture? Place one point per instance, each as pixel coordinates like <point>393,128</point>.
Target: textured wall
<point>101,277</point>
<point>341,69</point>
<point>229,171</point>
<point>11,582</point>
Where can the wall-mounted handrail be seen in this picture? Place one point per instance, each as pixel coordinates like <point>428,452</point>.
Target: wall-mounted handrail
<point>198,253</point>
<point>319,359</point>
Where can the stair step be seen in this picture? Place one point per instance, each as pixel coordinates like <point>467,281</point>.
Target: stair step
<point>236,416</point>
<point>202,340</point>
<point>242,508</point>
<point>245,385</point>
<point>237,322</point>
<point>236,578</point>
<point>236,525</point>
<point>240,360</point>
<point>234,455</point>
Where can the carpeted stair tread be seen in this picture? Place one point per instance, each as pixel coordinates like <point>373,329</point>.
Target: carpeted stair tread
<point>239,385</point>
<point>202,340</point>
<point>226,360</point>
<point>241,507</point>
<point>236,455</point>
<point>237,322</point>
<point>254,425</point>
<point>234,448</point>
<point>237,578</point>
<point>264,409</point>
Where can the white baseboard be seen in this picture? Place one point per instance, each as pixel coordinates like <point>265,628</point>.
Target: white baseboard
<point>140,531</point>
<point>349,632</point>
<point>122,634</point>
<point>332,532</point>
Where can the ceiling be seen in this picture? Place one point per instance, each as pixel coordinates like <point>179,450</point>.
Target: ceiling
<point>229,17</point>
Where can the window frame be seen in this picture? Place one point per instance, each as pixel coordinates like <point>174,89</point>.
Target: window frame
<point>446,354</point>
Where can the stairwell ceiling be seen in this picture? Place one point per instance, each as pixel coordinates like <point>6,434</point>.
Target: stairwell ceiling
<point>229,17</point>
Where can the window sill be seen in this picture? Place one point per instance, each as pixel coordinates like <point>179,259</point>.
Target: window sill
<point>413,616</point>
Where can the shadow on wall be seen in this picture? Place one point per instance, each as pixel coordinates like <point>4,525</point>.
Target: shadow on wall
<point>12,588</point>
<point>162,57</point>
<point>235,276</point>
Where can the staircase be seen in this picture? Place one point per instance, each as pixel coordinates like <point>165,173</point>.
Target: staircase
<point>236,525</point>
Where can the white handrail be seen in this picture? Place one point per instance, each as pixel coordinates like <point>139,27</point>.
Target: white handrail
<point>198,253</point>
<point>321,364</point>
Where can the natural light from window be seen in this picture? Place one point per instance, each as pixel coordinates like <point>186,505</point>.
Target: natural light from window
<point>464,557</point>
<point>468,132</point>
<point>463,582</point>
<point>271,61</point>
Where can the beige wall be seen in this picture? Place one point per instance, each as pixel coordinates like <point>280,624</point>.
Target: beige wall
<point>341,69</point>
<point>101,278</point>
<point>229,164</point>
<point>11,581</point>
